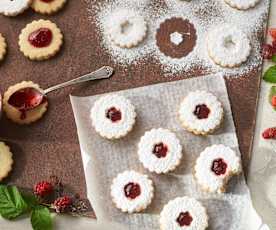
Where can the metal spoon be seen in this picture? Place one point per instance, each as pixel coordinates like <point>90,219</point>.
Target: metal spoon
<point>22,101</point>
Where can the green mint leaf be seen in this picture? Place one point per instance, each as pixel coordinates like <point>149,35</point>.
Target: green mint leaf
<point>12,204</point>
<point>274,58</point>
<point>41,219</point>
<point>30,199</point>
<point>270,74</point>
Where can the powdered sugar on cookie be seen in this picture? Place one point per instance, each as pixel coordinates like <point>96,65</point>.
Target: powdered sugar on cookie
<point>183,213</point>
<point>201,112</point>
<point>215,166</point>
<point>13,8</point>
<point>113,116</point>
<point>159,150</point>
<point>132,191</point>
<point>228,46</point>
<point>242,4</point>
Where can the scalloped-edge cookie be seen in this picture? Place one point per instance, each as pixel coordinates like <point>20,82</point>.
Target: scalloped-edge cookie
<point>47,6</point>
<point>242,4</point>
<point>40,40</point>
<point>3,47</point>
<point>31,115</point>
<point>13,7</point>
<point>6,160</point>
<point>132,191</point>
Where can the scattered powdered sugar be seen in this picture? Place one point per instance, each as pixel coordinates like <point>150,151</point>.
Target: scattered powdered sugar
<point>205,15</point>
<point>176,38</point>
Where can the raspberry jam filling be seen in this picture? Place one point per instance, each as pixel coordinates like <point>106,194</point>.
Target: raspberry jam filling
<point>26,99</point>
<point>201,111</point>
<point>47,1</point>
<point>114,114</point>
<point>219,167</point>
<point>184,219</point>
<point>160,150</point>
<point>41,38</point>
<point>132,190</point>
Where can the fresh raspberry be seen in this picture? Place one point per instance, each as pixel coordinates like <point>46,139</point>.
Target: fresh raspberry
<point>267,51</point>
<point>43,189</point>
<point>274,47</point>
<point>272,33</point>
<point>62,204</point>
<point>273,101</point>
<point>269,133</point>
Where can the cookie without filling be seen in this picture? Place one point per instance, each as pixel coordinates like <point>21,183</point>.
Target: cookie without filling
<point>6,160</point>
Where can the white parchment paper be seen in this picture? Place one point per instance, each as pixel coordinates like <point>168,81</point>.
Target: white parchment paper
<point>157,106</point>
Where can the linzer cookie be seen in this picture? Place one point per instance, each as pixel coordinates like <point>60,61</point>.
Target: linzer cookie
<point>3,47</point>
<point>113,116</point>
<point>132,191</point>
<point>47,6</point>
<point>40,40</point>
<point>201,112</point>
<point>127,29</point>
<point>215,166</point>
<point>228,46</point>
<point>183,213</point>
<point>13,7</point>
<point>176,37</point>
<point>23,103</point>
<point>242,4</point>
<point>160,150</point>
<point>6,160</point>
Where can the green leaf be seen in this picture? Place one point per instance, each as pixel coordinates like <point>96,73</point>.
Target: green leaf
<point>30,199</point>
<point>274,58</point>
<point>12,204</point>
<point>41,219</point>
<point>270,74</point>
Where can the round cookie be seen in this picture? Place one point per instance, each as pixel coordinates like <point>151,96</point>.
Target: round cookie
<point>228,46</point>
<point>201,112</point>
<point>127,29</point>
<point>13,7</point>
<point>40,40</point>
<point>242,4</point>
<point>132,191</point>
<point>3,47</point>
<point>6,160</point>
<point>159,150</point>
<point>176,37</point>
<point>22,95</point>
<point>215,166</point>
<point>183,213</point>
<point>47,6</point>
<point>113,116</point>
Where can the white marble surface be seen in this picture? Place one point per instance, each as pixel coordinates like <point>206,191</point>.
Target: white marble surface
<point>262,178</point>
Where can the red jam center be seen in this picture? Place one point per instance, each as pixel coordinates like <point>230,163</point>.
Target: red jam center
<point>114,114</point>
<point>41,37</point>
<point>201,111</point>
<point>184,219</point>
<point>26,99</point>
<point>132,190</point>
<point>219,167</point>
<point>160,150</point>
<point>47,1</point>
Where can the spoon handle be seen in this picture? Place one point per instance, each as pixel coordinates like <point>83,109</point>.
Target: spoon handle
<point>104,72</point>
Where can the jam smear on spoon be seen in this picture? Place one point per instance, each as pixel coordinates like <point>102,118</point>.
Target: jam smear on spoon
<point>26,99</point>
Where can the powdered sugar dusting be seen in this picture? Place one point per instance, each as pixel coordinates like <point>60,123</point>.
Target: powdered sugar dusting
<point>203,14</point>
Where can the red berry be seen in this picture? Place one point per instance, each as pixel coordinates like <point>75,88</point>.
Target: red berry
<point>267,51</point>
<point>273,101</point>
<point>269,133</point>
<point>62,204</point>
<point>272,33</point>
<point>43,188</point>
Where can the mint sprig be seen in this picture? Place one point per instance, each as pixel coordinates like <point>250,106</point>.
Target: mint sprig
<point>14,204</point>
<point>41,218</point>
<point>270,74</point>
<point>273,58</point>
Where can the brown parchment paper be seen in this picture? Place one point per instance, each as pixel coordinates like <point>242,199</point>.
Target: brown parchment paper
<point>157,106</point>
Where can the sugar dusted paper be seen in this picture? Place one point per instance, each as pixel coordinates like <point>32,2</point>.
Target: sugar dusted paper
<point>157,106</point>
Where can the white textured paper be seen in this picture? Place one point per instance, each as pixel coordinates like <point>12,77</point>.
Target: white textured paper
<point>157,106</point>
